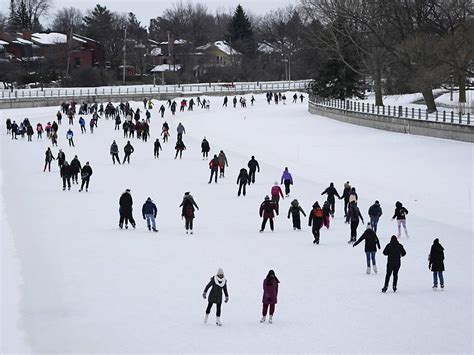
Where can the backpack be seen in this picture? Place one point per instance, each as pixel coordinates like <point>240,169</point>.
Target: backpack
<point>318,213</point>
<point>189,210</point>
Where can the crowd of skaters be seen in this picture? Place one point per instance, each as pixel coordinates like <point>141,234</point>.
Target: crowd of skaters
<point>317,218</point>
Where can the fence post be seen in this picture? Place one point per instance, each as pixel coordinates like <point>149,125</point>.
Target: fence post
<point>383,110</point>
<point>406,112</point>
<point>436,116</point>
<point>388,114</point>
<point>419,113</point>
<point>452,116</point>
<point>444,116</point>
<point>378,107</point>
<point>363,107</point>
<point>468,118</point>
<point>460,117</point>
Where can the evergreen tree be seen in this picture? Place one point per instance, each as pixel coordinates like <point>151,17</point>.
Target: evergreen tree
<point>240,33</point>
<point>21,19</point>
<point>336,80</point>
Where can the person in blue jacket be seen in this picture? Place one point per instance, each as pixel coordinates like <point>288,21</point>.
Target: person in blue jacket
<point>149,211</point>
<point>82,123</point>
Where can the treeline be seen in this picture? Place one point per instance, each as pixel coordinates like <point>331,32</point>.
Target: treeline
<point>347,46</point>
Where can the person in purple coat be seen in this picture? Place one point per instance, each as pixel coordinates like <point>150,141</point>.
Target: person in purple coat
<point>270,295</point>
<point>287,179</point>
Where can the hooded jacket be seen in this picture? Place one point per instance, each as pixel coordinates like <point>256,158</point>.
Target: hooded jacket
<point>394,250</point>
<point>149,208</point>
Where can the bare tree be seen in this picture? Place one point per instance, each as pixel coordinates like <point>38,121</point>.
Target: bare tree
<point>3,22</point>
<point>67,18</point>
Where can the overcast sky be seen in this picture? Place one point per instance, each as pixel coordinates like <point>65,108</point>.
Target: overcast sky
<point>146,9</point>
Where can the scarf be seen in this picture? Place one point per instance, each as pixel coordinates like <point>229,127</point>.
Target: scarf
<point>220,282</point>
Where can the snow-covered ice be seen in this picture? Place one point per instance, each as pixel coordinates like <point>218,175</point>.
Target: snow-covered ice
<point>73,282</point>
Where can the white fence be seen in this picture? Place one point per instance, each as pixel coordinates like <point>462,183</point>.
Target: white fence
<point>188,89</point>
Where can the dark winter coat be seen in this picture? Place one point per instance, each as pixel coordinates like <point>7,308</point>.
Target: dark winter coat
<point>126,201</point>
<point>353,213</point>
<point>149,208</point>
<point>205,147</point>
<point>114,148</point>
<point>371,240</point>
<point>331,192</point>
<point>86,172</point>
<point>436,257</point>
<point>295,210</point>
<point>215,296</point>
<point>400,211</point>
<point>243,177</point>
<point>180,145</point>
<point>375,210</point>
<point>223,159</point>
<point>48,156</point>
<point>188,205</point>
<point>253,165</point>
<point>270,290</point>
<point>128,149</point>
<point>266,209</point>
<point>346,192</point>
<point>394,250</point>
<point>66,171</point>
<point>75,166</point>
<point>157,145</point>
<point>316,217</point>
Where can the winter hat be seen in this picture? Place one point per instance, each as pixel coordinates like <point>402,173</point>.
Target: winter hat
<point>436,241</point>
<point>186,193</point>
<point>275,183</point>
<point>149,199</point>
<point>369,226</point>
<point>127,190</point>
<point>267,198</point>
<point>393,239</point>
<point>220,271</point>
<point>377,202</point>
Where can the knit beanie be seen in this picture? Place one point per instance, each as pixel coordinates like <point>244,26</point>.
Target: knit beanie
<point>393,239</point>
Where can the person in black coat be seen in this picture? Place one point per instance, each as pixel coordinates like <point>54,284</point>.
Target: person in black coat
<point>76,168</point>
<point>187,211</point>
<point>375,212</point>
<point>61,158</point>
<point>400,215</point>
<point>253,166</point>
<point>295,210</point>
<point>331,192</point>
<point>47,159</point>
<point>157,148</point>
<point>205,148</point>
<point>128,149</point>
<point>316,221</point>
<point>126,203</point>
<point>353,216</point>
<point>242,181</point>
<point>394,251</point>
<point>345,195</point>
<point>371,245</point>
<point>66,174</point>
<point>436,263</point>
<point>217,284</point>
<point>86,173</point>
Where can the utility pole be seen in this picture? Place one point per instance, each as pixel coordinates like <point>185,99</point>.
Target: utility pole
<point>124,54</point>
<point>68,61</point>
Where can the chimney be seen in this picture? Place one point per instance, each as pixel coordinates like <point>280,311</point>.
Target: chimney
<point>27,35</point>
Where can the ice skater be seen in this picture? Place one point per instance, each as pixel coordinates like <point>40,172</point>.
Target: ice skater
<point>371,245</point>
<point>315,221</point>
<point>400,215</point>
<point>270,296</point>
<point>217,284</point>
<point>286,179</point>
<point>149,212</point>
<point>394,252</point>
<point>187,211</point>
<point>436,263</point>
<point>295,210</point>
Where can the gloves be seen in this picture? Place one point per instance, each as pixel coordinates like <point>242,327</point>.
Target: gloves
<point>226,299</point>
<point>204,295</point>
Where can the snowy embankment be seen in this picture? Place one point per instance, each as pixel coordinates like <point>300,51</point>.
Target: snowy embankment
<point>89,287</point>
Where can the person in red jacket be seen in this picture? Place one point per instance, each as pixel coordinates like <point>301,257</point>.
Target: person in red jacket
<point>270,295</point>
<point>276,192</point>
<point>214,165</point>
<point>266,211</point>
